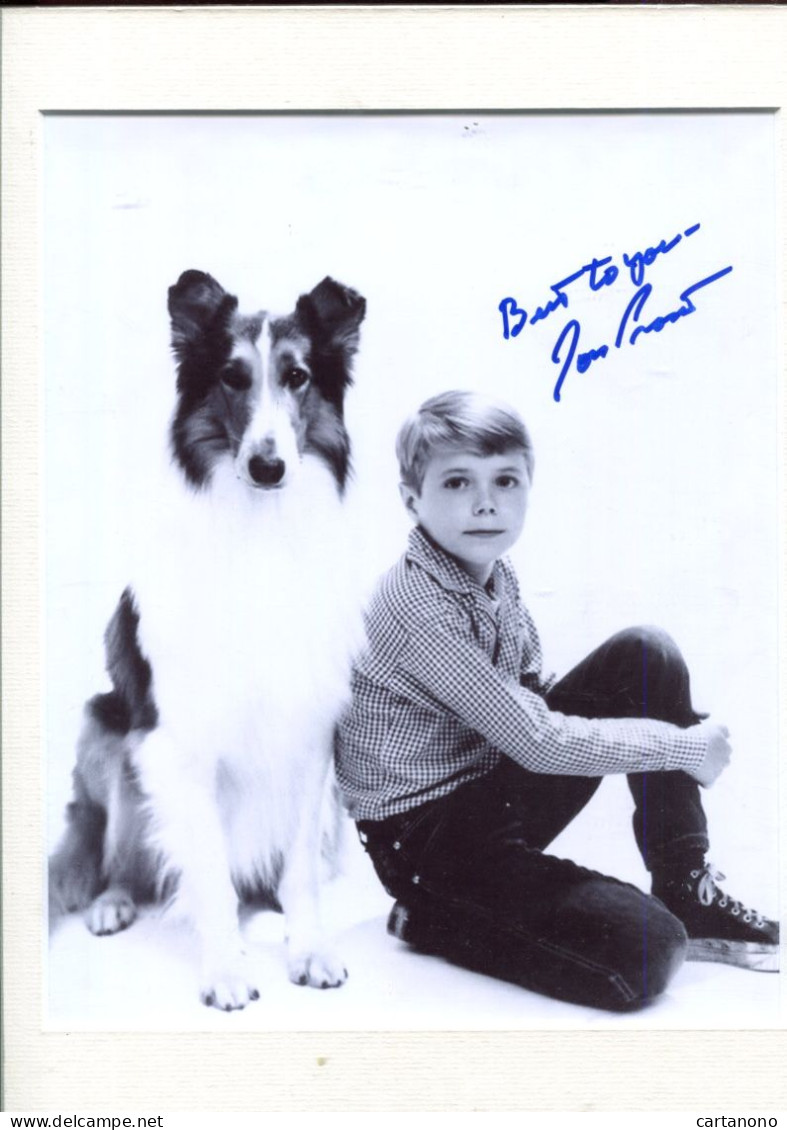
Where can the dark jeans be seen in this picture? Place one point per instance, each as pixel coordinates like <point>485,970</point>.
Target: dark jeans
<point>472,870</point>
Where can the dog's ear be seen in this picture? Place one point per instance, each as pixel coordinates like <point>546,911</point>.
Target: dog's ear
<point>333,312</point>
<point>194,303</point>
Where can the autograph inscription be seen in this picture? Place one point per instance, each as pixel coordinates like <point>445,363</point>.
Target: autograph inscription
<point>601,273</point>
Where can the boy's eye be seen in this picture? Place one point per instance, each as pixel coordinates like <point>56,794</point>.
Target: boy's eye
<point>507,481</point>
<point>456,482</point>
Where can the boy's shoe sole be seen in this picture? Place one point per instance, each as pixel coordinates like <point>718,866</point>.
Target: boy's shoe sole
<point>402,926</point>
<point>747,955</point>
<point>397,921</point>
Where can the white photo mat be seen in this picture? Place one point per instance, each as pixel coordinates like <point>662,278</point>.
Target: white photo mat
<point>88,60</point>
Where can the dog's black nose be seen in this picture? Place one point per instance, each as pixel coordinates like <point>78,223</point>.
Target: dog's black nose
<point>266,472</point>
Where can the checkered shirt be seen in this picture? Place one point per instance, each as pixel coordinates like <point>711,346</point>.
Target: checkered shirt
<point>451,681</point>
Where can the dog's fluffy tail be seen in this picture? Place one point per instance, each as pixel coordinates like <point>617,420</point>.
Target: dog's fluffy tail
<point>75,868</point>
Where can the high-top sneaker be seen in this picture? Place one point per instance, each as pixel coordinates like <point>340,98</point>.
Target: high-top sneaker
<point>719,927</point>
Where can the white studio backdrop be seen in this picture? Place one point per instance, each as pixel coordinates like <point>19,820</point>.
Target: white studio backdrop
<point>655,489</point>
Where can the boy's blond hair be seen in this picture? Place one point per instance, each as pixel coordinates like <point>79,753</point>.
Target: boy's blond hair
<point>457,419</point>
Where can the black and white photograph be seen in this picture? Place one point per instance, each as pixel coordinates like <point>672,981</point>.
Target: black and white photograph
<point>410,571</point>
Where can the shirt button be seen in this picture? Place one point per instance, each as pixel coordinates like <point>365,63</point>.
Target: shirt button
<point>396,845</point>
<point>416,878</point>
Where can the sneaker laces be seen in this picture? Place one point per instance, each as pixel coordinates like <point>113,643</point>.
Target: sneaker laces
<point>707,891</point>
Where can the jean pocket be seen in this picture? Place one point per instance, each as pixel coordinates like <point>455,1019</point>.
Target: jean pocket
<point>418,829</point>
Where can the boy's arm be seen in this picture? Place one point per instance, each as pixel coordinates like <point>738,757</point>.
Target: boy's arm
<point>459,677</point>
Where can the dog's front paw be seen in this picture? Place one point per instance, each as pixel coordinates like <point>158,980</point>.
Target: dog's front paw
<point>321,970</point>
<point>228,985</point>
<point>112,911</point>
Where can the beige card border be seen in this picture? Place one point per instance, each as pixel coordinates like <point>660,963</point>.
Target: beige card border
<point>360,58</point>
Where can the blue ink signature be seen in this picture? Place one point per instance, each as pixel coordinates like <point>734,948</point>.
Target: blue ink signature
<point>569,336</point>
<point>636,262</point>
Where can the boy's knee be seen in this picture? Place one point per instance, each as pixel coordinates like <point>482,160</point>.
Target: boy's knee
<point>656,951</point>
<point>629,936</point>
<point>654,659</point>
<point>652,640</point>
<point>664,951</point>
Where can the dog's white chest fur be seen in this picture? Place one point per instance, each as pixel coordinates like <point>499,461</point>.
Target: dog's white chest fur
<point>249,615</point>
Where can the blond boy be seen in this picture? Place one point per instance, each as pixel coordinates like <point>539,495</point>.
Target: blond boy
<point>460,763</point>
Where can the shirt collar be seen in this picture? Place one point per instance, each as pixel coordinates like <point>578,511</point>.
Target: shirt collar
<point>440,565</point>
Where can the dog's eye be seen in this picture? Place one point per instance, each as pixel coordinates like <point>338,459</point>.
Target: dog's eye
<point>295,378</point>
<point>237,377</point>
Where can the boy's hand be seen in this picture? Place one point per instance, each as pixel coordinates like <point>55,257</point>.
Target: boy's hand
<point>717,755</point>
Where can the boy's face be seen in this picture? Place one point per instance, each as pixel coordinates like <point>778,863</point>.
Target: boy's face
<point>472,505</point>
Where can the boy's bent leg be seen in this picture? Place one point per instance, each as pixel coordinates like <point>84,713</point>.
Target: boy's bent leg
<point>595,941</point>
<point>637,673</point>
<point>640,673</point>
<point>472,889</point>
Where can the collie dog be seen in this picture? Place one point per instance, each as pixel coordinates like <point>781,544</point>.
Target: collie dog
<point>204,775</point>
